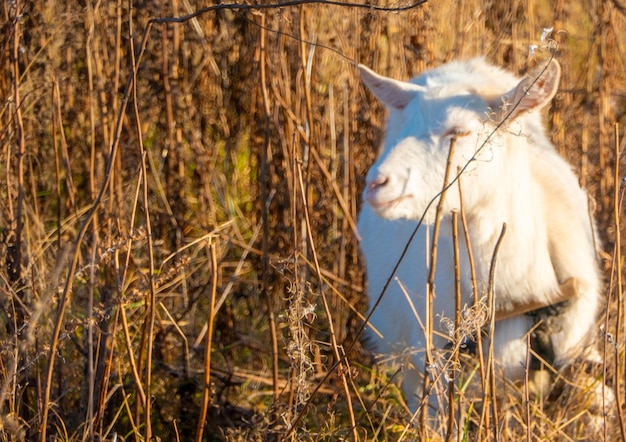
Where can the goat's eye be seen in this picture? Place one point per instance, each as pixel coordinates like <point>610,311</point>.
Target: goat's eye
<point>456,132</point>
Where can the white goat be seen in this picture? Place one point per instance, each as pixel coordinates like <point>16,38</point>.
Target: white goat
<point>510,173</point>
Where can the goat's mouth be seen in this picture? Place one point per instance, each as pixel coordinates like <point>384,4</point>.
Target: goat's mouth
<point>384,207</point>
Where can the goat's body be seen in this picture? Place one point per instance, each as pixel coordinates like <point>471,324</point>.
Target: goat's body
<point>515,176</point>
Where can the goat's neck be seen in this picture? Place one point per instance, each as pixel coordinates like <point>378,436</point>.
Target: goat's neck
<point>523,261</point>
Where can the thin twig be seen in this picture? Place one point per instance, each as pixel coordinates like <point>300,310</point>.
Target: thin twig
<point>264,182</point>
<point>206,393</point>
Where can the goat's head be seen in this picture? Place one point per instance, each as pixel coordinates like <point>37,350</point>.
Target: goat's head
<point>431,112</point>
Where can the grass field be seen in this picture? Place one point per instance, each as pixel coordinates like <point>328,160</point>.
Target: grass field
<point>179,200</point>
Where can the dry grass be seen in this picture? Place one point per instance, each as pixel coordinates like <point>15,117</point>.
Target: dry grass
<point>178,213</point>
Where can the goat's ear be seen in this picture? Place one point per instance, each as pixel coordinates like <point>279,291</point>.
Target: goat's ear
<point>392,93</point>
<point>533,92</point>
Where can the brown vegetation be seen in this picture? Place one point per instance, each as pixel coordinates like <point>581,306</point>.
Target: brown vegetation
<point>178,205</point>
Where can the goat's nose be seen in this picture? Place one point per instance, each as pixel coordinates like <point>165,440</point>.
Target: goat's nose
<point>379,181</point>
<point>374,185</point>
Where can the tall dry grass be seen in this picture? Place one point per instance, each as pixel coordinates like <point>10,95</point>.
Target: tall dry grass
<point>179,202</point>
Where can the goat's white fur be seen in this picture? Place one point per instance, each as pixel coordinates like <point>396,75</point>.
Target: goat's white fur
<point>511,175</point>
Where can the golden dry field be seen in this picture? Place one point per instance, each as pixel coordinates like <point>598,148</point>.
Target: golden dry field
<point>179,193</point>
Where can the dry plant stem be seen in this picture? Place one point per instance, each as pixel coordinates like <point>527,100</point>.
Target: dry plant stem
<point>167,87</point>
<point>118,57</point>
<point>297,295</point>
<point>15,270</point>
<point>601,26</point>
<point>126,405</point>
<point>94,226</point>
<point>472,266</point>
<point>454,357</point>
<point>13,259</point>
<point>342,369</point>
<point>612,340</point>
<point>131,357</point>
<point>65,295</point>
<point>306,64</point>
<point>264,209</point>
<point>294,221</point>
<point>209,344</point>
<point>105,393</point>
<point>122,307</point>
<point>430,287</point>
<point>56,124</point>
<point>14,252</point>
<point>144,342</point>
<point>151,298</point>
<point>65,160</point>
<point>150,312</point>
<point>492,391</point>
<point>90,338</point>
<point>617,205</point>
<point>339,263</point>
<point>114,420</point>
<point>348,177</point>
<point>527,388</point>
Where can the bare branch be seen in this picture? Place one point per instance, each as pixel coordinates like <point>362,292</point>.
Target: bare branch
<point>240,7</point>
